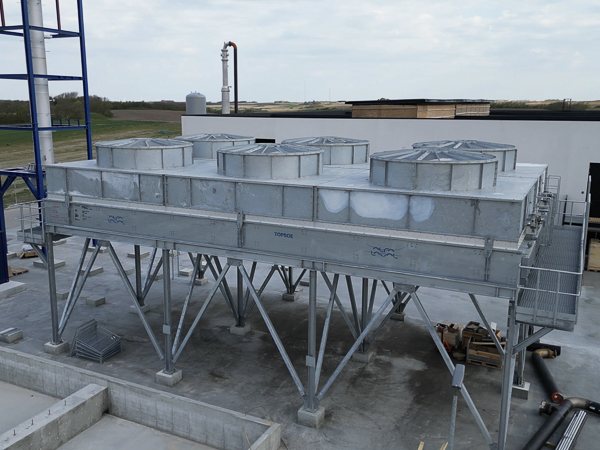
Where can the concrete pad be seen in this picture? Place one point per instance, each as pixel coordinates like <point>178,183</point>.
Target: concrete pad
<point>63,421</point>
<point>142,254</point>
<point>95,300</point>
<point>365,358</point>
<point>11,288</point>
<point>94,271</point>
<point>11,335</point>
<point>304,283</point>
<point>185,272</point>
<point>62,294</point>
<point>129,271</point>
<point>102,249</point>
<point>159,276</point>
<point>119,434</point>
<point>291,297</point>
<point>398,316</point>
<point>56,349</point>
<point>200,281</point>
<point>169,379</point>
<point>20,404</point>
<point>60,242</point>
<point>521,391</point>
<point>240,331</point>
<point>133,309</point>
<point>312,419</point>
<point>11,255</point>
<point>40,264</point>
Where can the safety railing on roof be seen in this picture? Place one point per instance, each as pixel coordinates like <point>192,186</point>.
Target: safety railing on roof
<point>32,223</point>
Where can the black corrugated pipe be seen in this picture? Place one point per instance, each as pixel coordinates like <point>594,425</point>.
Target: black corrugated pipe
<point>235,78</point>
<point>557,415</point>
<point>547,379</point>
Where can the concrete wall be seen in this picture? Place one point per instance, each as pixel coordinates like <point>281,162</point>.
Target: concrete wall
<point>190,419</point>
<point>567,147</point>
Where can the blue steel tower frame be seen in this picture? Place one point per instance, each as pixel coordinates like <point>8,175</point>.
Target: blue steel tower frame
<point>34,179</point>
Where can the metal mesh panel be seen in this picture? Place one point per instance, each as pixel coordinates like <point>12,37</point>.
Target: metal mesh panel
<point>95,343</point>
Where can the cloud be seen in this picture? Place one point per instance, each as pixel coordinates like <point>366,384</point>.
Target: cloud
<point>358,49</point>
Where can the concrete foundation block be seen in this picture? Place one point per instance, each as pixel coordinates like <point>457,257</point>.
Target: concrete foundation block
<point>200,281</point>
<point>129,271</point>
<point>521,391</point>
<point>133,309</point>
<point>159,276</point>
<point>11,335</point>
<point>185,272</point>
<point>239,331</point>
<point>398,316</point>
<point>57,263</point>
<point>102,249</point>
<point>304,283</point>
<point>169,379</point>
<point>363,357</point>
<point>142,254</point>
<point>291,297</point>
<point>62,294</point>
<point>10,255</point>
<point>56,349</point>
<point>11,288</point>
<point>312,419</point>
<point>95,300</point>
<point>62,422</point>
<point>60,242</point>
<point>94,271</point>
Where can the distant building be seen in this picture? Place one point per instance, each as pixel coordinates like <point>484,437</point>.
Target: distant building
<point>420,108</point>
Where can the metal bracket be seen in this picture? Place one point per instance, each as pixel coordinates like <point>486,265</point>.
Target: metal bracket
<point>488,248</point>
<point>240,228</point>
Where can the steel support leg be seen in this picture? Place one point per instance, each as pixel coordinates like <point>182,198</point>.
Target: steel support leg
<point>240,318</point>
<point>311,403</point>
<point>138,275</point>
<point>520,374</point>
<point>507,375</point>
<point>52,288</point>
<point>364,312</point>
<point>166,258</point>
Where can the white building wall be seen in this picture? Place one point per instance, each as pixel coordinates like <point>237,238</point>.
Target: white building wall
<point>567,147</point>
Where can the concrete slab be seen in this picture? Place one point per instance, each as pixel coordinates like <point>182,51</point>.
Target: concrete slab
<point>291,297</point>
<point>62,294</point>
<point>363,357</point>
<point>144,308</point>
<point>118,434</point>
<point>40,264</point>
<point>185,272</point>
<point>102,249</point>
<point>95,271</point>
<point>11,288</point>
<point>398,316</point>
<point>10,335</point>
<point>522,391</point>
<point>143,254</point>
<point>10,255</point>
<point>95,300</point>
<point>20,404</point>
<point>200,281</point>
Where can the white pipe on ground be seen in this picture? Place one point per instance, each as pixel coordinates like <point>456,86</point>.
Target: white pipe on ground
<point>225,106</point>
<point>42,95</point>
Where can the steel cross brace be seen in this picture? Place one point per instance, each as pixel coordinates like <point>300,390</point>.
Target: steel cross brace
<point>450,365</point>
<point>134,296</point>
<point>77,285</point>
<point>287,277</point>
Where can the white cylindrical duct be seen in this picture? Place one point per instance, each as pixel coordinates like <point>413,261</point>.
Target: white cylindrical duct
<point>42,94</point>
<point>225,108</point>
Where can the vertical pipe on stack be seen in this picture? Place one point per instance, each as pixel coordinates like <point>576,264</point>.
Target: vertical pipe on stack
<point>225,107</point>
<point>42,95</point>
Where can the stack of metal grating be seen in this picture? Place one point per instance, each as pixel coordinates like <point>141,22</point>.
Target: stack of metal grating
<point>95,343</point>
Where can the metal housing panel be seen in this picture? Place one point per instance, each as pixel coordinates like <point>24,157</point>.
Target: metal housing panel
<point>84,182</point>
<point>213,195</point>
<point>179,192</point>
<point>333,205</point>
<point>151,189</point>
<point>260,199</point>
<point>56,180</point>
<point>498,219</point>
<point>456,216</point>
<point>120,186</point>
<point>297,202</point>
<point>430,177</point>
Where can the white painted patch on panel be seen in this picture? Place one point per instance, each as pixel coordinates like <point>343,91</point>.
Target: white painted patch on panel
<point>335,201</point>
<point>421,208</point>
<point>379,206</point>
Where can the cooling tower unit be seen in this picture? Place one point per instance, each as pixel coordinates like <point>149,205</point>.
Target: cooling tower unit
<point>336,150</point>
<point>433,170</point>
<point>505,153</point>
<point>207,144</point>
<point>144,154</point>
<point>195,103</point>
<point>270,161</point>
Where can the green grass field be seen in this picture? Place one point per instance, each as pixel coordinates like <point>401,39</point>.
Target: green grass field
<point>16,147</point>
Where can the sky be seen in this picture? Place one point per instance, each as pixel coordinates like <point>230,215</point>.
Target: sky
<point>304,50</point>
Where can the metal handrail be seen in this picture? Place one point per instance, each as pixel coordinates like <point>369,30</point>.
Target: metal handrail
<point>32,219</point>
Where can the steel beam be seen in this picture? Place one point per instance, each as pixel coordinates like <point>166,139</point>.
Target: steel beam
<point>169,364</point>
<point>507,375</point>
<point>311,402</point>
<point>52,288</point>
